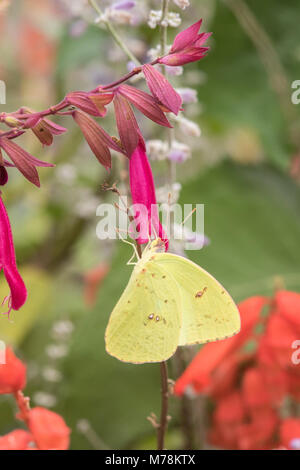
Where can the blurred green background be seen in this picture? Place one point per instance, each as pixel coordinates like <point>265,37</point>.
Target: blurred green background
<point>241,170</point>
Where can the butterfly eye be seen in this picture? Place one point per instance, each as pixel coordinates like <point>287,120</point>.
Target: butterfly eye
<point>157,318</point>
<point>151,316</point>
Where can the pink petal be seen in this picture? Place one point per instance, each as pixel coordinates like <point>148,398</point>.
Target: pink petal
<point>182,58</point>
<point>144,103</point>
<point>100,100</point>
<point>202,38</point>
<point>22,160</point>
<point>143,195</point>
<point>162,89</point>
<point>95,137</point>
<point>8,261</point>
<point>186,37</point>
<point>81,100</point>
<point>54,128</point>
<point>127,126</point>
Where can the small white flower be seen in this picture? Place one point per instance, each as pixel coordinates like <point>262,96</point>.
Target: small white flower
<point>154,18</point>
<point>157,149</point>
<point>120,16</point>
<point>188,95</point>
<point>164,194</point>
<point>179,152</point>
<point>183,4</point>
<point>188,127</point>
<point>57,351</point>
<point>173,19</point>
<point>52,375</point>
<point>44,399</point>
<point>62,329</point>
<point>66,174</point>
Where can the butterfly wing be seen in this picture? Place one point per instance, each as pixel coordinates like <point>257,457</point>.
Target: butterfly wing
<point>208,311</point>
<point>145,324</point>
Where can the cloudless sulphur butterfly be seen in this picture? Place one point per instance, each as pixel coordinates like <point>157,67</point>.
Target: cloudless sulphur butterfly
<point>169,302</point>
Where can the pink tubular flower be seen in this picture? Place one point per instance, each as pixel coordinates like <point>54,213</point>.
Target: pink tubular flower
<point>143,196</point>
<point>18,291</point>
<point>161,89</point>
<point>187,47</point>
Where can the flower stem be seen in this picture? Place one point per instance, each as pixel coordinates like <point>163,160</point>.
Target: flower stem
<point>113,32</point>
<point>163,424</point>
<point>163,43</point>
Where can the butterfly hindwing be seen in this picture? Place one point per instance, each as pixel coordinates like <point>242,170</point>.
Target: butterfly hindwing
<point>208,311</point>
<point>145,324</point>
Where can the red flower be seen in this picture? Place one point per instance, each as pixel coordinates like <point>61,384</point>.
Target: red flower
<point>187,46</point>
<point>199,374</point>
<point>290,433</point>
<point>12,373</point>
<point>17,440</point>
<point>48,429</point>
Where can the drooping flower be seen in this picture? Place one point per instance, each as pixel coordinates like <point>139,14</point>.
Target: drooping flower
<point>128,128</point>
<point>12,373</point>
<point>187,47</point>
<point>161,89</point>
<point>22,160</point>
<point>99,141</point>
<point>43,128</point>
<point>143,196</point>
<point>17,287</point>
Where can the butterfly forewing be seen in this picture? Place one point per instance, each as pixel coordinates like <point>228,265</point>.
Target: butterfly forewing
<point>145,324</point>
<point>208,311</point>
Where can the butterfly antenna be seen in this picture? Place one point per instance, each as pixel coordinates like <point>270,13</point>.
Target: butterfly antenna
<point>188,216</point>
<point>135,252</point>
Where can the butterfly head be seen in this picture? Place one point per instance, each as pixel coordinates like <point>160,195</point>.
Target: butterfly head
<point>158,246</point>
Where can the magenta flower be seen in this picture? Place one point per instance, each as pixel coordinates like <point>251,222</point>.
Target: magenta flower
<point>25,162</point>
<point>143,196</point>
<point>161,89</point>
<point>187,47</point>
<point>17,287</point>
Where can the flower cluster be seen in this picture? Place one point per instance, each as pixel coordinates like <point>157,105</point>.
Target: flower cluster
<point>253,377</point>
<point>83,107</point>
<point>46,430</point>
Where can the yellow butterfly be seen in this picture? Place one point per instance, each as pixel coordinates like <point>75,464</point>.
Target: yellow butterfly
<point>169,301</point>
